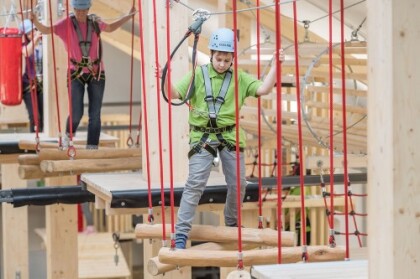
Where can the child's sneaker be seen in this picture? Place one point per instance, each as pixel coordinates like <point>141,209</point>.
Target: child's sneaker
<point>65,142</point>
<point>180,241</point>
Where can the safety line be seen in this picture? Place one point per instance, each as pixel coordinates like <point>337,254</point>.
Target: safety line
<point>150,217</point>
<point>260,212</point>
<point>130,140</point>
<point>344,105</point>
<point>305,256</point>
<point>279,152</point>
<point>33,83</point>
<point>238,166</point>
<point>331,238</point>
<point>170,149</point>
<point>155,33</point>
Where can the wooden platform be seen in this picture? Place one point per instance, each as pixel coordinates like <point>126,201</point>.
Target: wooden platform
<point>103,184</point>
<point>353,269</point>
<point>96,256</point>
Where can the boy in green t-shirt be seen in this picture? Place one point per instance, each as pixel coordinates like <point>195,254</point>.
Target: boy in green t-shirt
<point>212,122</point>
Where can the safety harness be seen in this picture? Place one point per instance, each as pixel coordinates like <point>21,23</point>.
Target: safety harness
<point>85,45</point>
<point>214,105</point>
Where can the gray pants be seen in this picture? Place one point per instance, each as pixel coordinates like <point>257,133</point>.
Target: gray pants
<point>200,165</point>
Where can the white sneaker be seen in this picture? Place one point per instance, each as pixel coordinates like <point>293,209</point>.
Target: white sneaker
<point>65,142</point>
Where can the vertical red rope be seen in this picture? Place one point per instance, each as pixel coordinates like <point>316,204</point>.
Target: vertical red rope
<point>68,74</point>
<point>279,130</point>
<point>238,166</point>
<point>302,186</point>
<point>162,188</point>
<point>33,85</point>
<point>343,84</point>
<point>171,172</point>
<point>260,213</point>
<point>55,72</point>
<point>331,116</point>
<point>130,138</point>
<point>144,103</point>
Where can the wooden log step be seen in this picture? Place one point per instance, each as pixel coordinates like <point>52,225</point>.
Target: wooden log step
<point>221,234</point>
<point>191,257</point>
<point>91,165</point>
<point>108,153</point>
<point>35,172</point>
<point>32,145</point>
<point>28,159</point>
<point>155,267</point>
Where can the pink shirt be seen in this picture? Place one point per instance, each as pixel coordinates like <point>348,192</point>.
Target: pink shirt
<point>60,29</point>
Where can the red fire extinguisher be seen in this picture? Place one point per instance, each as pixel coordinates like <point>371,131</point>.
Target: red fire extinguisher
<point>10,66</point>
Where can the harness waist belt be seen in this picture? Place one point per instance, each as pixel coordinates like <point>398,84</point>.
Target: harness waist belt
<point>211,130</point>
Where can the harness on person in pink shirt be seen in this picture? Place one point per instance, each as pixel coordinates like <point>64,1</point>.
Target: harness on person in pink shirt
<point>85,45</point>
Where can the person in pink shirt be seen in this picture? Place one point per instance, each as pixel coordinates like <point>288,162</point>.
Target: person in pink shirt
<point>80,33</point>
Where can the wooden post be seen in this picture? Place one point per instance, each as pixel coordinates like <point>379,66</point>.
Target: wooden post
<point>179,24</point>
<point>15,229</point>
<point>393,134</point>
<point>61,220</point>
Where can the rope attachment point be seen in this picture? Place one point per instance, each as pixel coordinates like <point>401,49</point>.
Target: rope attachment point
<point>199,16</point>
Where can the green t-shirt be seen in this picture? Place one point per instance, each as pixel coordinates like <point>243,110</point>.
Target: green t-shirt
<point>198,115</point>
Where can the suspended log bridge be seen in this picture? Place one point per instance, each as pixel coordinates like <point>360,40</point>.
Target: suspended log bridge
<point>155,267</point>
<point>220,234</point>
<point>52,162</point>
<point>204,258</point>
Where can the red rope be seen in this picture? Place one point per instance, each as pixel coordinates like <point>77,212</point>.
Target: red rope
<point>260,213</point>
<point>171,171</point>
<point>331,116</point>
<point>68,74</point>
<point>55,73</point>
<point>33,85</point>
<point>302,186</point>
<point>238,166</point>
<point>279,128</point>
<point>343,84</point>
<point>162,193</point>
<point>144,103</point>
<point>130,141</point>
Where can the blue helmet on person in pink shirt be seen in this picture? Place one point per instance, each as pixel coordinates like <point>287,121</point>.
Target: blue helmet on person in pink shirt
<point>26,26</point>
<point>81,4</point>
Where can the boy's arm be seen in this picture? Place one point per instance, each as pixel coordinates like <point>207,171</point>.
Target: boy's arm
<point>270,79</point>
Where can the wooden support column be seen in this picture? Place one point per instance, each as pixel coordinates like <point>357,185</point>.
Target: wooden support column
<point>61,220</point>
<point>179,116</point>
<point>15,229</point>
<point>393,139</point>
<point>179,66</point>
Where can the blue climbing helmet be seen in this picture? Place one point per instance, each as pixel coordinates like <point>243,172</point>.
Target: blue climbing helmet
<point>222,40</point>
<point>81,4</point>
<point>26,26</point>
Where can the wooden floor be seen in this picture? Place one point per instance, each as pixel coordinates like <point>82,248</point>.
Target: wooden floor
<point>96,256</point>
